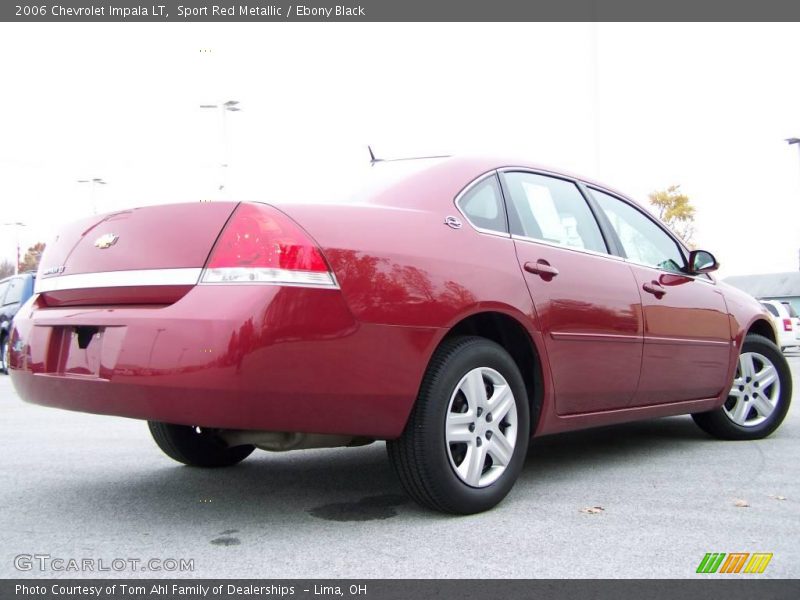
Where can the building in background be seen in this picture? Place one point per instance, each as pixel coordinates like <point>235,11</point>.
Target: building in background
<point>784,287</point>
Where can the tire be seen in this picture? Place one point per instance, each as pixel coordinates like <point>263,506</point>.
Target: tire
<point>746,414</point>
<point>196,447</point>
<point>432,463</point>
<point>4,355</point>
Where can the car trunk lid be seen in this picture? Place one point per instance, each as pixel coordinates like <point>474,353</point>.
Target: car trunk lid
<point>148,255</point>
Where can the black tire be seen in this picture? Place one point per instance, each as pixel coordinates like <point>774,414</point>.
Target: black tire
<point>420,457</point>
<point>197,449</point>
<point>719,424</point>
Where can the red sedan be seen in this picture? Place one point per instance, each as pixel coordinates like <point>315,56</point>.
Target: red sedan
<point>453,307</point>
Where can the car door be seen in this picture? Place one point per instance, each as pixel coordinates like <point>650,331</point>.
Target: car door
<point>687,336</point>
<point>586,299</point>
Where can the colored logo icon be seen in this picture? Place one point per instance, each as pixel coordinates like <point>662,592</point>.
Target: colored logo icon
<point>735,562</point>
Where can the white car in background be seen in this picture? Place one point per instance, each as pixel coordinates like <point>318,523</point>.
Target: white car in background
<point>786,322</point>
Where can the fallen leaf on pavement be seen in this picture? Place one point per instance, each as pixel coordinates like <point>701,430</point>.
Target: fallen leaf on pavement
<point>592,510</point>
<point>741,503</point>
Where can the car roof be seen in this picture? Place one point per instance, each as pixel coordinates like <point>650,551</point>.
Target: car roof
<point>453,173</point>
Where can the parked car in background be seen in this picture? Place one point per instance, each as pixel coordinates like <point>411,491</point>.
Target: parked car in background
<point>795,319</point>
<point>14,292</point>
<point>452,307</point>
<point>787,325</point>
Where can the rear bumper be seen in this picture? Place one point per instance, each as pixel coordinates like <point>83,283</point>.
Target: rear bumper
<point>239,357</point>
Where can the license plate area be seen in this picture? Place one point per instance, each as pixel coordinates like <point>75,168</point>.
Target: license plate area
<point>76,351</point>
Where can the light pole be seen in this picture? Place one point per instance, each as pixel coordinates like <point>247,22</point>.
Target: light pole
<point>794,141</point>
<point>224,108</point>
<point>95,181</point>
<point>16,227</point>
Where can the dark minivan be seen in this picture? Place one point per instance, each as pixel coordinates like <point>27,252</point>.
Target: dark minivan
<point>14,292</point>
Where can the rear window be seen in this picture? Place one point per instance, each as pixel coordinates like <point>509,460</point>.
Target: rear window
<point>790,308</point>
<point>14,293</point>
<point>772,310</point>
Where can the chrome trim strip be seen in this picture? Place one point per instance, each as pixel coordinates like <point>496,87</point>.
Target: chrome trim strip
<point>265,276</point>
<point>522,238</point>
<point>652,339</point>
<point>595,337</point>
<point>107,279</point>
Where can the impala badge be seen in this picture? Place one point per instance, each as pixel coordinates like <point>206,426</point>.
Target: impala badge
<point>106,241</point>
<point>53,271</point>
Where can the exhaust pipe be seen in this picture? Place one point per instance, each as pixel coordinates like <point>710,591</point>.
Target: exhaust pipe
<point>283,441</point>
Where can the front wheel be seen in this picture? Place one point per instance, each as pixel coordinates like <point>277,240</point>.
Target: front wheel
<point>466,439</point>
<point>759,397</point>
<point>195,446</point>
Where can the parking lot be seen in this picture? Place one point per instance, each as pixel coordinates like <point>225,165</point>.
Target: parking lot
<point>77,486</point>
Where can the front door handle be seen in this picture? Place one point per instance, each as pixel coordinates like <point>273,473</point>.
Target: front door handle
<point>652,287</point>
<point>541,268</point>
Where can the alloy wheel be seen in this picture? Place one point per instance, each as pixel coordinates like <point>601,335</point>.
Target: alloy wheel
<point>481,427</point>
<point>755,392</point>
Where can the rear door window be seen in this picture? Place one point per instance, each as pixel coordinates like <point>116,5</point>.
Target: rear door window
<point>3,288</point>
<point>552,210</point>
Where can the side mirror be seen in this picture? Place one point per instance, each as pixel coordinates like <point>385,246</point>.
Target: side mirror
<point>701,261</point>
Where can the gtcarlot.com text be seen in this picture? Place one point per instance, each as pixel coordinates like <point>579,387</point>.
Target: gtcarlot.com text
<point>61,564</point>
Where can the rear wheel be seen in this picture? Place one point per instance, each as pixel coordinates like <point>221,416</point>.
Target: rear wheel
<point>759,397</point>
<point>196,446</point>
<point>466,439</point>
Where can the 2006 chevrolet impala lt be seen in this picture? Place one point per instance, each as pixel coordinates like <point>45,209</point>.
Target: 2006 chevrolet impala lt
<point>454,307</point>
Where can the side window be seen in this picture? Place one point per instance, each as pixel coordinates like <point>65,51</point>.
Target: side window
<point>552,210</point>
<point>642,239</point>
<point>3,288</point>
<point>483,206</point>
<point>14,294</point>
<point>771,309</point>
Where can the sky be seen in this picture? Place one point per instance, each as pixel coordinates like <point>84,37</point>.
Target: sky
<point>636,106</point>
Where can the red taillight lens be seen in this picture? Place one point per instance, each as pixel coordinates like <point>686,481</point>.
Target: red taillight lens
<point>787,324</point>
<point>260,244</point>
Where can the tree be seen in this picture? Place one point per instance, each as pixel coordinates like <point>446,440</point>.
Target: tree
<point>32,257</point>
<point>676,210</point>
<point>6,269</point>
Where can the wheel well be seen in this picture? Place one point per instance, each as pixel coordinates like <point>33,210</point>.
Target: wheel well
<point>761,327</point>
<point>511,335</point>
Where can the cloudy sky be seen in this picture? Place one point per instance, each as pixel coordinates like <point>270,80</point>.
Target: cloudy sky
<point>637,106</point>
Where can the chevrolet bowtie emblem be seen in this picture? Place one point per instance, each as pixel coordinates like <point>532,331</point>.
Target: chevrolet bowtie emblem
<point>106,241</point>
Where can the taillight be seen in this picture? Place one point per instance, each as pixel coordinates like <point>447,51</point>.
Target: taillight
<point>260,244</point>
<point>787,324</point>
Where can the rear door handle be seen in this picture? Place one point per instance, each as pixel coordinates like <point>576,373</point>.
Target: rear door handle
<point>541,268</point>
<point>652,287</point>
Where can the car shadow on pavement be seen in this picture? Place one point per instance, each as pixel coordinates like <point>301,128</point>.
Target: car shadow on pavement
<point>587,449</point>
<point>354,484</point>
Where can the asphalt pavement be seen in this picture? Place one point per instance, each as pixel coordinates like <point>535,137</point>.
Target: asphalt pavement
<point>77,486</point>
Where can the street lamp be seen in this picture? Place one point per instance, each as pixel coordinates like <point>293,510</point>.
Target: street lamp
<point>16,226</point>
<point>792,141</point>
<point>95,181</point>
<point>224,108</point>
